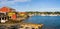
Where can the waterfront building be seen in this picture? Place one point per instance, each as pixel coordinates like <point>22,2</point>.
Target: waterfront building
<point>6,13</point>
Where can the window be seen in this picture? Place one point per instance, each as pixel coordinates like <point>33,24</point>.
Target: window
<point>2,18</point>
<point>5,18</point>
<point>27,28</point>
<point>39,27</point>
<point>21,26</point>
<point>33,28</point>
<point>36,28</point>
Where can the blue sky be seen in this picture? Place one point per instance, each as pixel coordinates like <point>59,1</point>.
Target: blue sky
<point>32,5</point>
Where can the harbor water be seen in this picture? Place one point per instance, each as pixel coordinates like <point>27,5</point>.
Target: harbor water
<point>50,22</point>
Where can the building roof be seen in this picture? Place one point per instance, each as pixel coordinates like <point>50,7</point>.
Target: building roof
<point>5,9</point>
<point>23,13</point>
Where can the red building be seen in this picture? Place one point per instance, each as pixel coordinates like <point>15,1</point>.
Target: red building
<point>6,9</point>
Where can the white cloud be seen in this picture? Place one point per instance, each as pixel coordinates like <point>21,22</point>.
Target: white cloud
<point>12,2</point>
<point>22,0</point>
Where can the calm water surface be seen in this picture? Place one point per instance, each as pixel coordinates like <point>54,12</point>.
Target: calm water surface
<point>50,22</point>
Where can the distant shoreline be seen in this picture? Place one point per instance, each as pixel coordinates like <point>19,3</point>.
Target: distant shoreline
<point>44,15</point>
